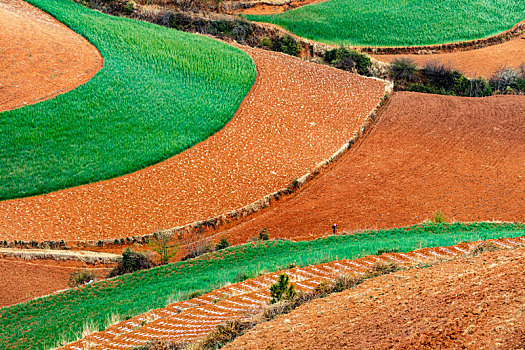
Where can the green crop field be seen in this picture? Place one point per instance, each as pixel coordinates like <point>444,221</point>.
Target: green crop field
<point>399,22</point>
<point>159,92</point>
<point>42,322</point>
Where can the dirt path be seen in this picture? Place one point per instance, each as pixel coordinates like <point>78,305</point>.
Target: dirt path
<point>40,57</point>
<point>25,280</point>
<point>78,255</point>
<point>190,320</point>
<point>468,303</point>
<point>463,156</point>
<point>479,62</point>
<point>297,115</point>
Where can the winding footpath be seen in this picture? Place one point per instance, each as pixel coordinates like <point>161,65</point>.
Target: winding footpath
<point>297,115</point>
<point>39,56</point>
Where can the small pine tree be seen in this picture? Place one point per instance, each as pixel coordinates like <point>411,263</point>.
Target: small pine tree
<point>223,243</point>
<point>282,290</point>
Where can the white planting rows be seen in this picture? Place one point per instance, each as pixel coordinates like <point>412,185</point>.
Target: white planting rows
<point>190,320</point>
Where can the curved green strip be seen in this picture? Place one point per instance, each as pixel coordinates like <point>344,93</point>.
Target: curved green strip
<point>399,22</point>
<point>159,92</point>
<point>42,322</point>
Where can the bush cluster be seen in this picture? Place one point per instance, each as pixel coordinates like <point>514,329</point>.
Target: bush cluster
<point>509,80</point>
<point>349,60</point>
<point>81,277</point>
<point>131,261</point>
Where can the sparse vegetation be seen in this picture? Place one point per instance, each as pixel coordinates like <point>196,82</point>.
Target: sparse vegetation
<point>484,247</point>
<point>223,244</point>
<point>439,217</point>
<point>131,262</point>
<point>81,277</point>
<point>161,244</point>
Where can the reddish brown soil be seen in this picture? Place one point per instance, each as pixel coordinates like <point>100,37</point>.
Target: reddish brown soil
<point>479,62</point>
<point>268,9</point>
<point>463,156</point>
<point>24,280</point>
<point>468,303</point>
<point>40,57</point>
<point>296,115</point>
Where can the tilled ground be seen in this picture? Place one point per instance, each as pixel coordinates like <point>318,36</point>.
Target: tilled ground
<point>473,63</point>
<point>25,280</point>
<point>463,156</point>
<point>468,303</point>
<point>190,320</point>
<point>297,115</point>
<point>40,57</point>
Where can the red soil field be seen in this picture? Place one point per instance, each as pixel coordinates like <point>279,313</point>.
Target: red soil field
<point>473,63</point>
<point>25,280</point>
<point>40,57</point>
<point>297,115</point>
<point>463,156</point>
<point>467,303</point>
<point>187,321</point>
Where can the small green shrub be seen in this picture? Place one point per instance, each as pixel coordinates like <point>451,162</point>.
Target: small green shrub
<point>439,217</point>
<point>263,235</point>
<point>403,71</point>
<point>129,8</point>
<point>223,243</point>
<point>282,289</point>
<point>81,277</point>
<point>131,262</point>
<point>287,45</point>
<point>349,60</point>
<point>161,245</point>
<point>266,43</point>
<point>384,251</point>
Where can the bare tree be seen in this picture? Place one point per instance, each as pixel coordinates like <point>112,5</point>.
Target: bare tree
<point>195,242</point>
<point>161,245</point>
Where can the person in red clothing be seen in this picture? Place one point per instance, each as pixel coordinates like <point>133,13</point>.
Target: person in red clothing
<point>334,228</point>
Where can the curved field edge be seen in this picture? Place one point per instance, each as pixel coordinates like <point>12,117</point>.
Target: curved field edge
<point>41,323</point>
<point>413,23</point>
<point>160,91</point>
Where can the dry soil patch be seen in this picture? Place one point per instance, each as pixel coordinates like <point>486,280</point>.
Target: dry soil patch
<point>463,156</point>
<point>40,57</point>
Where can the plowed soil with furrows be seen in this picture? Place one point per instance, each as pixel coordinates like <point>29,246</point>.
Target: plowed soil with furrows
<point>190,320</point>
<point>467,303</point>
<point>297,115</point>
<point>463,156</point>
<point>40,57</point>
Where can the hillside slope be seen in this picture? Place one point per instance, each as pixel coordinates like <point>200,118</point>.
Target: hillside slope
<point>468,303</point>
<point>463,156</point>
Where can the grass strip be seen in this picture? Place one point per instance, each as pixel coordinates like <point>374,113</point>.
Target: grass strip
<point>40,323</point>
<point>399,23</point>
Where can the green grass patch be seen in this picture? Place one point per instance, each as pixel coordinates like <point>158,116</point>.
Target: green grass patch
<point>159,92</point>
<point>42,322</point>
<point>399,22</point>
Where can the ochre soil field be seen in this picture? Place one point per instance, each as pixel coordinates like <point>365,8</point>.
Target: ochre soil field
<point>467,303</point>
<point>463,156</point>
<point>478,62</point>
<point>25,280</point>
<point>296,115</point>
<point>40,57</point>
<point>190,320</point>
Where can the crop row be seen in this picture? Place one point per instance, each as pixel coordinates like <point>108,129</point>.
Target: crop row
<point>42,322</point>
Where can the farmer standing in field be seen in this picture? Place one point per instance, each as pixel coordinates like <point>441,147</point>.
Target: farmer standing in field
<point>334,228</point>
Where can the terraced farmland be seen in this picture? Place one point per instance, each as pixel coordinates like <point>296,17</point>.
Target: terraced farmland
<point>159,92</point>
<point>43,322</point>
<point>399,23</point>
<point>273,138</point>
